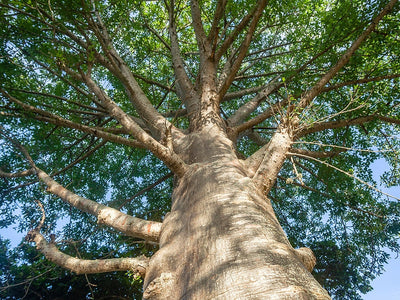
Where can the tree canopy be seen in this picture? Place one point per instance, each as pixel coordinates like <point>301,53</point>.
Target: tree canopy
<point>93,94</point>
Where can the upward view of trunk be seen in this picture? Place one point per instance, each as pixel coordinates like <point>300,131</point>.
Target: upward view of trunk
<point>238,101</point>
<point>222,240</point>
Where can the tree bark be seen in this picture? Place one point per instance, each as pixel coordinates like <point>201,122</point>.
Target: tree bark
<point>222,240</point>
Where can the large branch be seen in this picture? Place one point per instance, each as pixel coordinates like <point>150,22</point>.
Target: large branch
<point>268,161</point>
<point>45,116</point>
<point>228,78</point>
<point>17,174</point>
<point>316,154</point>
<point>124,223</point>
<point>202,41</point>
<point>243,92</point>
<point>219,12</point>
<point>359,81</point>
<point>260,141</point>
<point>246,109</point>
<point>208,71</point>
<point>320,126</point>
<point>82,266</point>
<point>164,153</point>
<point>345,58</point>
<point>153,119</point>
<point>233,36</point>
<point>185,88</point>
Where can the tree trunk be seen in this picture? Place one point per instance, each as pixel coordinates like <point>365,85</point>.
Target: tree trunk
<point>222,240</point>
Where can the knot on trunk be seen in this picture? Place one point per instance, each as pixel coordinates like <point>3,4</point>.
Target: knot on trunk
<point>159,286</point>
<point>306,257</point>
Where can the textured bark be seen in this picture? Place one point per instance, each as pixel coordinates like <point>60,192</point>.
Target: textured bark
<point>222,240</point>
<point>126,224</point>
<point>82,266</point>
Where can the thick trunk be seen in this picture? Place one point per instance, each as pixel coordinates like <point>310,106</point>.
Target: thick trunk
<point>222,240</point>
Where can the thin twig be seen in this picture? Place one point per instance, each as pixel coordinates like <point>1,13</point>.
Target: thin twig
<point>347,173</point>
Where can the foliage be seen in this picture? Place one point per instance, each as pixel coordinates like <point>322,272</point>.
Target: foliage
<point>43,43</point>
<point>27,275</point>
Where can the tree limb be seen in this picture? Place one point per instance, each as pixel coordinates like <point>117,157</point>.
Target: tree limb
<point>359,81</point>
<point>320,126</point>
<point>202,41</point>
<point>137,265</point>
<point>142,191</point>
<point>345,58</point>
<point>17,174</point>
<point>168,156</point>
<point>45,116</point>
<point>245,110</point>
<point>270,159</point>
<point>98,110</point>
<point>232,37</point>
<point>317,154</point>
<point>81,158</point>
<point>124,223</point>
<point>153,119</point>
<point>346,173</point>
<point>242,51</point>
<point>330,197</point>
<point>219,12</point>
<point>185,88</point>
<point>243,92</point>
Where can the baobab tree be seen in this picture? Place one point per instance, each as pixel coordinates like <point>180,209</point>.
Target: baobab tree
<point>254,122</point>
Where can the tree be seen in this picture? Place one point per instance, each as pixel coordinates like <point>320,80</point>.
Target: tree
<point>236,110</point>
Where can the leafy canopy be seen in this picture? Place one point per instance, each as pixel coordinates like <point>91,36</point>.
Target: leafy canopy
<point>322,200</point>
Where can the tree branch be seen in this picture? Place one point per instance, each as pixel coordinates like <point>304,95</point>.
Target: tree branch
<point>17,174</point>
<point>202,41</point>
<point>142,191</point>
<point>243,92</point>
<point>359,81</point>
<point>124,223</point>
<point>317,154</point>
<point>185,88</point>
<point>81,266</point>
<point>242,51</point>
<point>245,110</point>
<point>45,116</point>
<point>330,197</point>
<point>168,156</point>
<point>232,37</point>
<point>160,38</point>
<point>346,173</point>
<point>81,158</point>
<point>219,12</point>
<point>345,58</point>
<point>271,159</point>
<point>153,119</point>
<point>98,110</point>
<point>320,126</point>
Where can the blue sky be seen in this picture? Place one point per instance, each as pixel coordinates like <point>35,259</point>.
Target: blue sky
<point>386,286</point>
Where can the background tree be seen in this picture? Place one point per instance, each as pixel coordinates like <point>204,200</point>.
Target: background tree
<point>238,109</point>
